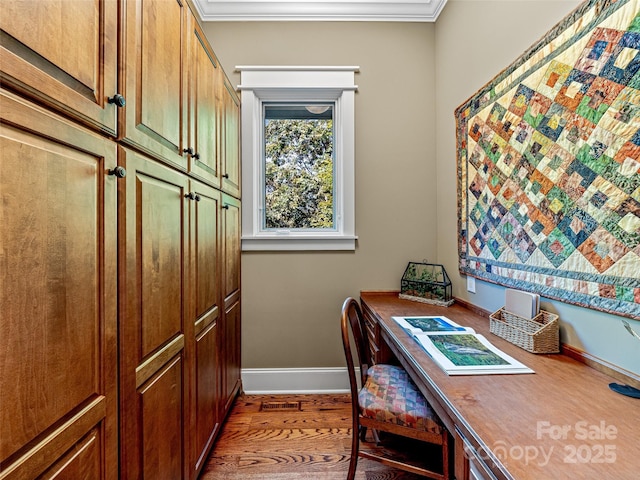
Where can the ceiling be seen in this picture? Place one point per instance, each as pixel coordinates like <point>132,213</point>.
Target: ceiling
<point>320,10</point>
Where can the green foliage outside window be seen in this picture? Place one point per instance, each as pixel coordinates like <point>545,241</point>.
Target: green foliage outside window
<point>299,174</point>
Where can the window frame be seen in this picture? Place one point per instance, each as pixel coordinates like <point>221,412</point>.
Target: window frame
<point>264,84</point>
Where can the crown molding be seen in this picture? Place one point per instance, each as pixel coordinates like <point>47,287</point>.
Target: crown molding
<point>320,10</point>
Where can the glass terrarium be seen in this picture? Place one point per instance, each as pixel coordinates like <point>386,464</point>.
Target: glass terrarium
<point>426,282</point>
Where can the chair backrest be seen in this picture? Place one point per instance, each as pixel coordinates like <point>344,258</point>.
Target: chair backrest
<point>353,321</point>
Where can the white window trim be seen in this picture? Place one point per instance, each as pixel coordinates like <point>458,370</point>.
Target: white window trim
<point>261,84</point>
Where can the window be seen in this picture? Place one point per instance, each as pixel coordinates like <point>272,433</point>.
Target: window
<point>298,158</point>
<point>298,167</point>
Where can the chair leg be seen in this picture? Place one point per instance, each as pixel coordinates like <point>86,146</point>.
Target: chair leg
<point>353,461</point>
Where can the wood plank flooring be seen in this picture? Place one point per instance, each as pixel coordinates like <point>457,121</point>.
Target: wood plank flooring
<point>309,442</point>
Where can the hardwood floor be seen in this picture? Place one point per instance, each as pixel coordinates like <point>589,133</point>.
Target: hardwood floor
<point>272,437</point>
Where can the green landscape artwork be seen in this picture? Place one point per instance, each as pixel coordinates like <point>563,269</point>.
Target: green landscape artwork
<point>466,350</point>
<point>431,324</point>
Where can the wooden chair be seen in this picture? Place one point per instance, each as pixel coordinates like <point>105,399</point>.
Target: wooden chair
<point>386,400</point>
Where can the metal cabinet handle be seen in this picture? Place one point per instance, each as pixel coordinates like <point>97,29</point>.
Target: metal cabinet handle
<point>119,172</point>
<point>192,196</point>
<point>118,100</point>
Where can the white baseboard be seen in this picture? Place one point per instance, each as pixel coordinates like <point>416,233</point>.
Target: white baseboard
<point>294,380</point>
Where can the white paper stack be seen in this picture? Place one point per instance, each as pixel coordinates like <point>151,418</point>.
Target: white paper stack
<point>522,304</point>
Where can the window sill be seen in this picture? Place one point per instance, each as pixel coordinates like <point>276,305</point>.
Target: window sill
<point>298,243</point>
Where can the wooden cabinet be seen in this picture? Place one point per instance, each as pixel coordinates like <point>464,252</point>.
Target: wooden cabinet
<point>206,280</point>
<point>178,109</point>
<point>379,351</point>
<point>74,73</point>
<point>231,294</point>
<point>153,246</point>
<point>469,463</point>
<point>205,81</point>
<point>119,266</point>
<point>58,323</point>
<point>230,148</point>
<point>155,79</point>
<point>170,338</point>
<point>206,409</point>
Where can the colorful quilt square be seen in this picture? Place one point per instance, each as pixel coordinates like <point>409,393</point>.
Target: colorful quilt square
<point>574,89</point>
<point>624,62</point>
<point>554,121</point>
<point>598,50</point>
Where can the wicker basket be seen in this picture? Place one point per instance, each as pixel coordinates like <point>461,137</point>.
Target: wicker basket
<point>539,335</point>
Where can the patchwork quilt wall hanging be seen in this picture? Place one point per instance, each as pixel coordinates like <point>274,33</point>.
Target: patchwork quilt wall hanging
<point>549,165</point>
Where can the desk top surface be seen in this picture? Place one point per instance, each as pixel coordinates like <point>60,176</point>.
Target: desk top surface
<point>561,422</point>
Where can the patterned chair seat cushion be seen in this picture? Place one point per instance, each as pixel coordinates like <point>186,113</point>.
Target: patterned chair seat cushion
<point>390,396</point>
<point>384,374</point>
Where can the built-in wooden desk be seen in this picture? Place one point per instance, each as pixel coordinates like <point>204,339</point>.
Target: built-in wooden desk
<point>563,422</point>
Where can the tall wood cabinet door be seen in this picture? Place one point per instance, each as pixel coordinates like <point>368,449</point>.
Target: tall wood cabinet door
<point>230,330</point>
<point>205,77</point>
<point>231,362</point>
<point>231,142</point>
<point>155,79</point>
<point>153,293</point>
<point>206,294</point>
<point>64,55</point>
<point>58,323</point>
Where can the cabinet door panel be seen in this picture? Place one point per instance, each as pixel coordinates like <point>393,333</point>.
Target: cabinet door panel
<point>162,426</point>
<point>74,72</point>
<point>205,79</point>
<point>230,324</point>
<point>206,268</point>
<point>57,290</point>
<point>153,294</point>
<point>231,362</point>
<point>231,141</point>
<point>156,235</point>
<point>231,247</point>
<point>207,393</point>
<point>82,462</point>
<point>155,94</point>
<point>205,249</point>
<point>160,236</point>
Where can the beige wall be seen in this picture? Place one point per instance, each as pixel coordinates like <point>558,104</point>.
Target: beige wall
<point>412,77</point>
<point>291,301</point>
